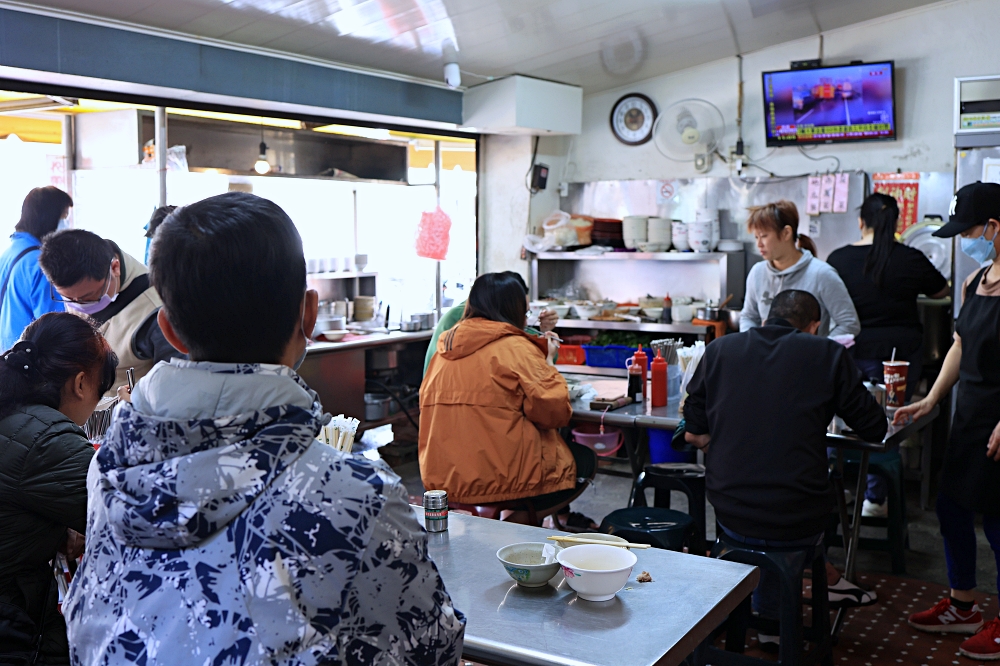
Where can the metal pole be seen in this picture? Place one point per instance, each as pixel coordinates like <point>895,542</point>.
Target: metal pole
<point>161,151</point>
<point>437,194</point>
<point>69,151</point>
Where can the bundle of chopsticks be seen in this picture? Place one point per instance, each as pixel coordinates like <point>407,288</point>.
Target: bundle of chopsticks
<point>667,348</point>
<point>339,433</point>
<point>99,421</point>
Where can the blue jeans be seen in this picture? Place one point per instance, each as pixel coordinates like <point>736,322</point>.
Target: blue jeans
<point>958,527</point>
<point>766,600</point>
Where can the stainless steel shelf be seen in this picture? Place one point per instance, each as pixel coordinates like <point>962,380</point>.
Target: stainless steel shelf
<point>637,256</point>
<point>689,329</point>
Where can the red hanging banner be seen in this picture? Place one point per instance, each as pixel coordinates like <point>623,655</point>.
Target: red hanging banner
<point>905,189</point>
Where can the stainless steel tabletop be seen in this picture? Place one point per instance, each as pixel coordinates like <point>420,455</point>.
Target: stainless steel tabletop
<point>646,623</point>
<point>629,416</point>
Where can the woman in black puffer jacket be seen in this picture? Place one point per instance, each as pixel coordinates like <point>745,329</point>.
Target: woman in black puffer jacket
<point>50,382</point>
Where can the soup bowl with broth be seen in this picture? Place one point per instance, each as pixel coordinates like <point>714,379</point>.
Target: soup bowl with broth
<point>596,572</point>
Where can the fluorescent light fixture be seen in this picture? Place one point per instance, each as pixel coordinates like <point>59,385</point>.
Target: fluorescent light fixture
<point>351,130</point>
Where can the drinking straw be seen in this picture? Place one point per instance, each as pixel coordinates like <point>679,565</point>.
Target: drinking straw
<point>893,359</point>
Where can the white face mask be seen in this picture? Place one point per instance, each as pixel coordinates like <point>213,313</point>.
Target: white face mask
<point>63,224</point>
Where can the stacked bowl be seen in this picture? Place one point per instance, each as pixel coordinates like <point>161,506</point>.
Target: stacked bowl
<point>634,230</point>
<point>659,234</point>
<point>607,232</point>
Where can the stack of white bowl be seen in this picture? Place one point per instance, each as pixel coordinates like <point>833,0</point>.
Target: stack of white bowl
<point>634,230</point>
<point>710,215</point>
<point>679,236</point>
<point>658,234</point>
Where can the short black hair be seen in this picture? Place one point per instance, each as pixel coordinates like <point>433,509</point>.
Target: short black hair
<point>231,274</point>
<point>498,297</point>
<point>70,255</point>
<point>42,209</point>
<point>799,308</point>
<point>156,219</point>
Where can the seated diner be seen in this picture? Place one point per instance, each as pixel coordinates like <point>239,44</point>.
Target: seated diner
<point>491,408</point>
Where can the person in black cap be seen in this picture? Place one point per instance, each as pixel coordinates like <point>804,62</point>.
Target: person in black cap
<point>970,480</point>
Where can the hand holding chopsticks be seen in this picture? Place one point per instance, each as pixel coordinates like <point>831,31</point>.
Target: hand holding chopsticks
<point>599,542</point>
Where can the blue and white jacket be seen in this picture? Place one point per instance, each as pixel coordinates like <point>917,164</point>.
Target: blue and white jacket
<point>220,531</point>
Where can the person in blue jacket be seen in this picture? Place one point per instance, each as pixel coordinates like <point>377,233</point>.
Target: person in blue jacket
<point>25,292</point>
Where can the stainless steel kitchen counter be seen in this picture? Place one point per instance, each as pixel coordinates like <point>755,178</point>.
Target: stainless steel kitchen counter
<point>373,340</point>
<point>646,623</point>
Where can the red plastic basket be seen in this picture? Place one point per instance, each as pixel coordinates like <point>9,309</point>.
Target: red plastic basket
<point>571,355</point>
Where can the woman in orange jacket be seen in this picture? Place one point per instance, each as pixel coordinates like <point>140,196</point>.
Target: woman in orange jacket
<point>491,407</point>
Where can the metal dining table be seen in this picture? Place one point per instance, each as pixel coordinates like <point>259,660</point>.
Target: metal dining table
<point>660,622</point>
<point>634,418</point>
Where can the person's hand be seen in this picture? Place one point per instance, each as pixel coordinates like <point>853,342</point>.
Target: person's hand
<point>698,441</point>
<point>993,448</point>
<point>547,320</point>
<point>73,546</point>
<point>553,346</point>
<point>912,412</point>
<point>125,393</point>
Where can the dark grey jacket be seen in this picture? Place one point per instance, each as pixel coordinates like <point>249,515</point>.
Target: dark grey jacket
<point>43,490</point>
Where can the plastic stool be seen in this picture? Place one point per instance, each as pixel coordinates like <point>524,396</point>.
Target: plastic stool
<point>888,465</point>
<point>689,479</point>
<point>662,528</point>
<point>789,564</point>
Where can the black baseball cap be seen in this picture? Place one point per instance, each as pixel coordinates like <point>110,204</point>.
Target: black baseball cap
<point>973,205</point>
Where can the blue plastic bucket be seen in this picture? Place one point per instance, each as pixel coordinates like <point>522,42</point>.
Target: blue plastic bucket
<point>660,450</point>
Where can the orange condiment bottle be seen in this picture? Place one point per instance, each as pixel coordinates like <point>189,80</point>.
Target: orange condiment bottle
<point>659,381</point>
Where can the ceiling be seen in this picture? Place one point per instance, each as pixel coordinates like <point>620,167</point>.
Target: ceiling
<point>598,44</point>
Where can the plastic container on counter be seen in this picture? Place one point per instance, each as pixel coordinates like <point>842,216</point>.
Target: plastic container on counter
<point>660,450</point>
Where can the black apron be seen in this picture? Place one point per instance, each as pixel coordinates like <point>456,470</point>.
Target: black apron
<point>969,477</point>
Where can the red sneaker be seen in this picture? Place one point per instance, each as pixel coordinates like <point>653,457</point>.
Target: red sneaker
<point>946,619</point>
<point>985,645</point>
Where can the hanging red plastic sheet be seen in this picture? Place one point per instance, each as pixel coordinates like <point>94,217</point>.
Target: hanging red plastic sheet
<point>433,235</point>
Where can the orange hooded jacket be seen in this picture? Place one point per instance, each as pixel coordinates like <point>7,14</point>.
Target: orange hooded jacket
<point>489,409</point>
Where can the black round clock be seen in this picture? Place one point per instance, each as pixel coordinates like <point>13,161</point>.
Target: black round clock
<point>632,119</point>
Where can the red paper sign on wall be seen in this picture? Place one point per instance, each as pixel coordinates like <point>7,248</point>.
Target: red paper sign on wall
<point>905,189</point>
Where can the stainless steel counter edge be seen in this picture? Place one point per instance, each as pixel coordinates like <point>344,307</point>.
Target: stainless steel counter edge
<point>373,340</point>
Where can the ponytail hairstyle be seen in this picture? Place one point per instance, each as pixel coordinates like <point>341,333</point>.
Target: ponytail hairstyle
<point>52,350</point>
<point>806,243</point>
<point>879,212</point>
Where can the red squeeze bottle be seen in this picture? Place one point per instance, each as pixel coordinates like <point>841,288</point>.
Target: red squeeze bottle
<point>641,360</point>
<point>659,388</point>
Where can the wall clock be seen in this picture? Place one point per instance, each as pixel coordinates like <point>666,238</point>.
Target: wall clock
<point>632,119</point>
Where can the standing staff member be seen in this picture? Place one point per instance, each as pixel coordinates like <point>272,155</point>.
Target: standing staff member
<point>884,279</point>
<point>94,277</point>
<point>789,263</point>
<point>970,480</point>
<point>25,292</point>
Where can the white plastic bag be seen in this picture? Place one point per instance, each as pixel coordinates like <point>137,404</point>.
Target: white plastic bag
<point>689,358</point>
<point>558,230</point>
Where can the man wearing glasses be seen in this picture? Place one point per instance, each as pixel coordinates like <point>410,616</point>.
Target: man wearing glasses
<point>93,277</point>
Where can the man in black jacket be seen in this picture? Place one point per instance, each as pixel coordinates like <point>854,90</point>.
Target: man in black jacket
<point>759,404</point>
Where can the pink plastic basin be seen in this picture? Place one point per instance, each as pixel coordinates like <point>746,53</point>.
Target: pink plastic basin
<point>589,435</point>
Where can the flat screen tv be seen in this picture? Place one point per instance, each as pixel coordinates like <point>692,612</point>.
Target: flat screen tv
<point>830,104</point>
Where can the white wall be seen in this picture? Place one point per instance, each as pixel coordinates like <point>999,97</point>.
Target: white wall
<point>930,46</point>
<point>503,203</point>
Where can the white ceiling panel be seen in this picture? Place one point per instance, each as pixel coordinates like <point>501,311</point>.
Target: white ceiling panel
<point>598,44</point>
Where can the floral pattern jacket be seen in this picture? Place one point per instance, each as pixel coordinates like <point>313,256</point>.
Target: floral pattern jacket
<point>239,539</point>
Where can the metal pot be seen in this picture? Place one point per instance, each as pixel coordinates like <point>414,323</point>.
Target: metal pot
<point>427,319</point>
<point>376,407</point>
<point>709,314</point>
<point>409,326</point>
<point>382,358</point>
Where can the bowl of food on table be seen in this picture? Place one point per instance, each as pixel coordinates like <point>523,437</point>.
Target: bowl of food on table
<point>595,571</point>
<point>529,564</point>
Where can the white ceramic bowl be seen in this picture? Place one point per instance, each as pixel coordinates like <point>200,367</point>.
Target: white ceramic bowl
<point>653,313</point>
<point>561,310</point>
<point>586,311</point>
<point>538,305</point>
<point>596,572</point>
<point>700,236</point>
<point>334,336</point>
<point>523,563</point>
<point>681,314</point>
<point>730,246</point>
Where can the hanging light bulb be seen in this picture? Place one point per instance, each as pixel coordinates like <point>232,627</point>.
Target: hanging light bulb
<point>262,166</point>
